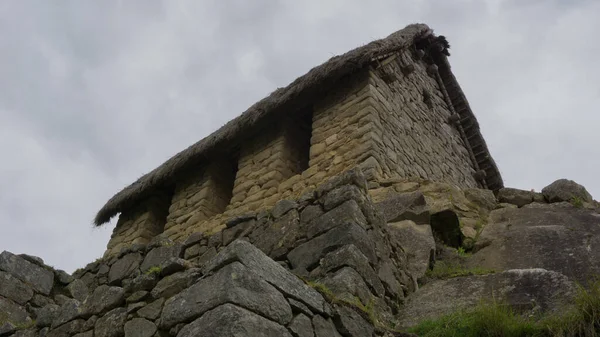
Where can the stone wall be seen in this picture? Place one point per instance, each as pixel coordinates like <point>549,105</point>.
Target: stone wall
<point>390,119</point>
<point>140,224</point>
<point>412,134</point>
<point>321,265</point>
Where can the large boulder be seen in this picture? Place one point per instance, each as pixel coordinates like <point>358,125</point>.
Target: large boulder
<point>566,190</point>
<point>525,290</point>
<point>557,237</point>
<point>39,278</point>
<point>231,320</point>
<point>515,196</point>
<point>14,289</point>
<point>418,243</point>
<point>234,283</point>
<point>405,206</point>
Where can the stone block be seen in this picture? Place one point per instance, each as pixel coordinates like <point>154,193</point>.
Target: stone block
<point>231,320</point>
<point>268,270</point>
<point>13,289</point>
<point>307,255</point>
<point>235,284</point>
<point>40,279</point>
<point>112,324</point>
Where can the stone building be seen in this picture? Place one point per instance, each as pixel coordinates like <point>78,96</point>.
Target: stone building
<point>391,107</point>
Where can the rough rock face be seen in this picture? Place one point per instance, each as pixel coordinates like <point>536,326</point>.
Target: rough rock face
<point>566,190</point>
<point>555,237</point>
<point>525,289</point>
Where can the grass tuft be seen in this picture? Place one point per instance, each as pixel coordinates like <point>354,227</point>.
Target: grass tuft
<point>496,319</point>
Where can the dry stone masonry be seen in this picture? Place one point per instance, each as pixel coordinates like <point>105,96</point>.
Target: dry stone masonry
<point>391,107</point>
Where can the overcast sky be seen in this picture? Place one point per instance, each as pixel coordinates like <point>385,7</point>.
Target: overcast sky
<point>93,94</point>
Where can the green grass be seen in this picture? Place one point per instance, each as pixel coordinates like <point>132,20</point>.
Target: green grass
<point>368,311</point>
<point>445,270</point>
<point>154,270</point>
<point>577,202</point>
<point>496,319</point>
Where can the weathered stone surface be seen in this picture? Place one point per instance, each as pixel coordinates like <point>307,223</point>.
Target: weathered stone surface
<point>324,327</point>
<point>230,234</point>
<point>347,212</point>
<point>31,332</point>
<point>194,238</point>
<point>133,307</point>
<point>566,190</point>
<point>279,234</point>
<point>61,299</point>
<point>192,251</point>
<point>239,219</point>
<point>350,323</point>
<point>112,324</point>
<point>68,329</point>
<point>229,320</point>
<point>7,328</point>
<point>307,255</point>
<point>173,265</point>
<point>311,212</point>
<point>347,283</point>
<point>350,256</point>
<point>418,243</point>
<point>405,206</point>
<point>389,279</point>
<point>523,289</point>
<point>39,278</point>
<point>282,207</point>
<point>123,268</point>
<point>46,315</point>
<point>158,255</point>
<point>40,300</point>
<point>68,311</point>
<point>33,259</point>
<point>13,289</point>
<point>563,239</point>
<point>515,196</point>
<point>104,298</point>
<point>206,256</point>
<point>342,194</point>
<point>175,283</point>
<point>142,282</point>
<point>269,271</point>
<point>299,307</point>
<point>78,290</point>
<point>85,334</point>
<point>139,327</point>
<point>12,312</point>
<point>137,296</point>
<point>62,277</point>
<point>482,198</point>
<point>233,283</point>
<point>152,310</point>
<point>351,177</point>
<point>301,326</point>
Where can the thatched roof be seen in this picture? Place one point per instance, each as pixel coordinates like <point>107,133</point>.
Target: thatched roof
<point>316,80</point>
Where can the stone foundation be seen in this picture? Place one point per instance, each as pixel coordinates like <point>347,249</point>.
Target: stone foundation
<point>391,120</point>
<point>140,225</point>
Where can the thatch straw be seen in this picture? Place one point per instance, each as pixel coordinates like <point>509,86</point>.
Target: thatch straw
<point>317,79</point>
